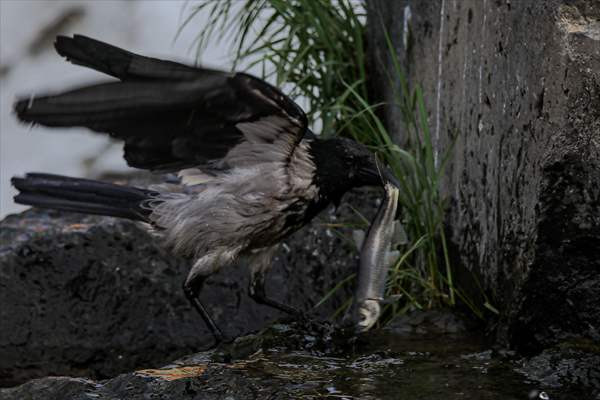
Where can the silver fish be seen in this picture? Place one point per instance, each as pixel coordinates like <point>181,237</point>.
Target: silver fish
<point>373,270</point>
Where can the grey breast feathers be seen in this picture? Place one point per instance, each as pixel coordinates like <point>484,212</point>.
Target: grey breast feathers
<point>241,207</point>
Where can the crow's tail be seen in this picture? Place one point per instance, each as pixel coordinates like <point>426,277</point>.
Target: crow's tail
<point>82,195</point>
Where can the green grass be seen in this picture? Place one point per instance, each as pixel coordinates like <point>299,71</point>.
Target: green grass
<point>308,44</point>
<point>317,48</point>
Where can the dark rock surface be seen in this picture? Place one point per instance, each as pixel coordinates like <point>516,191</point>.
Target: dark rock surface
<point>518,83</point>
<point>97,296</point>
<point>300,361</point>
<point>566,366</point>
<point>430,322</point>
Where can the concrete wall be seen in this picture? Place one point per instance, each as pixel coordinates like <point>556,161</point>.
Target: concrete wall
<point>518,82</point>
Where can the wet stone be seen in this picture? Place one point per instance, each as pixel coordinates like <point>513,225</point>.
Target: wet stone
<point>284,362</point>
<point>569,367</point>
<point>432,322</point>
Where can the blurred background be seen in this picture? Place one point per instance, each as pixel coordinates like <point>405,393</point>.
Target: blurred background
<point>29,65</point>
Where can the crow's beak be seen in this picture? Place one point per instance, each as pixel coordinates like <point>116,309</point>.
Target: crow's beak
<point>377,174</point>
<point>388,176</point>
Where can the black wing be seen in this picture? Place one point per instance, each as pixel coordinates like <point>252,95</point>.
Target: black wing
<point>170,115</point>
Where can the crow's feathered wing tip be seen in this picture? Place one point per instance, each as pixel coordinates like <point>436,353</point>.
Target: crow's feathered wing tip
<point>21,108</point>
<point>78,49</point>
<point>17,181</point>
<point>65,46</point>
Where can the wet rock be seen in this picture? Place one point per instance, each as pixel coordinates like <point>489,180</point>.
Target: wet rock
<point>430,323</point>
<point>283,363</point>
<point>518,84</point>
<point>78,291</point>
<point>568,368</point>
<point>97,296</point>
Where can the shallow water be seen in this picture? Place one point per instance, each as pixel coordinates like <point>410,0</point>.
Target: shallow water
<point>382,366</point>
<point>295,361</point>
<point>286,361</point>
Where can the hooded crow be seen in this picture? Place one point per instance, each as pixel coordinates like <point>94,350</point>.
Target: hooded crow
<point>250,172</point>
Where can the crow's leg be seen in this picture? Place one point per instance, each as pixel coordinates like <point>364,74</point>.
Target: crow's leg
<point>192,290</point>
<point>257,293</point>
<point>259,264</point>
<point>204,267</point>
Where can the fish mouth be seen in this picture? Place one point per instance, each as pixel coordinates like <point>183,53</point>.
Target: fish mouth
<point>367,313</point>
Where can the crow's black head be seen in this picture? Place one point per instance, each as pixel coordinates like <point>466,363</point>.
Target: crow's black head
<point>362,166</point>
<point>343,164</point>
